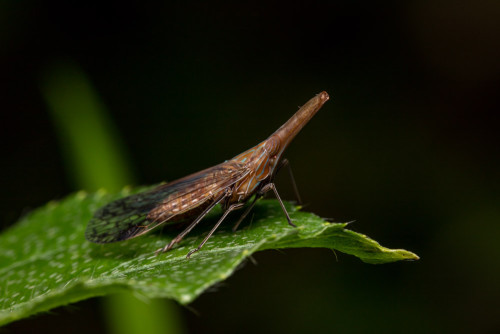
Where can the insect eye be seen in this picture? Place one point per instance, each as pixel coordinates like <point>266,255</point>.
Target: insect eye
<point>272,145</point>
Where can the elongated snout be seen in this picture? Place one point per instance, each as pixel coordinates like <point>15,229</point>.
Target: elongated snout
<point>293,126</point>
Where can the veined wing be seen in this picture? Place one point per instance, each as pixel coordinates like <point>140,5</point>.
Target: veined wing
<point>137,214</point>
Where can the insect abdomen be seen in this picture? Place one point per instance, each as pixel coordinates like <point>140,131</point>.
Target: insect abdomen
<point>184,206</point>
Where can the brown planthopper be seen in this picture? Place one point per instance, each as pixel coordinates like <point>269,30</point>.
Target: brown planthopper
<point>230,184</point>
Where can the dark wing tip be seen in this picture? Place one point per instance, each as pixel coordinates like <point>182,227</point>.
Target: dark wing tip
<point>101,231</point>
<point>119,220</point>
<point>97,233</point>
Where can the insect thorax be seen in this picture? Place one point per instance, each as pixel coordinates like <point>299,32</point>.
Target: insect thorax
<point>261,165</point>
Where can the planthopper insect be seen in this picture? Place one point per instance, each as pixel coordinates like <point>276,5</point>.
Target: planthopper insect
<point>230,184</point>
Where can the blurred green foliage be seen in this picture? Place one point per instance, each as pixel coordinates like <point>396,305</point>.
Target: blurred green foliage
<point>94,160</point>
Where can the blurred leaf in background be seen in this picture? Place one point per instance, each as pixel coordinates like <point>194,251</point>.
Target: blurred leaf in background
<point>95,159</point>
<point>94,154</point>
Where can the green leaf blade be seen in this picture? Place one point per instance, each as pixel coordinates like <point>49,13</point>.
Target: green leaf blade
<point>46,262</point>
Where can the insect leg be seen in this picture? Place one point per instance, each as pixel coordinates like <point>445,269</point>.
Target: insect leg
<point>271,186</point>
<point>231,208</point>
<point>286,163</point>
<point>247,211</point>
<point>181,235</point>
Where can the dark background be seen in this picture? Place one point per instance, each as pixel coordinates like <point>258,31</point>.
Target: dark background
<point>407,146</point>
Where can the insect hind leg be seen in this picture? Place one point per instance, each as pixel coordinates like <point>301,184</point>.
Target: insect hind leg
<point>286,163</point>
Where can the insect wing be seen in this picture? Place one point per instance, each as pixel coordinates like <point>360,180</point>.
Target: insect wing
<point>128,217</point>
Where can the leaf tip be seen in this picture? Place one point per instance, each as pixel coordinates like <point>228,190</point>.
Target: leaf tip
<point>413,256</point>
<point>404,255</point>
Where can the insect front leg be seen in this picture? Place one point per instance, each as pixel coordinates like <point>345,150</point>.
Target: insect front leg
<point>271,186</point>
<point>181,235</point>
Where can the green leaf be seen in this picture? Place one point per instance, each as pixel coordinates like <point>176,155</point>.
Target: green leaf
<point>46,262</point>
